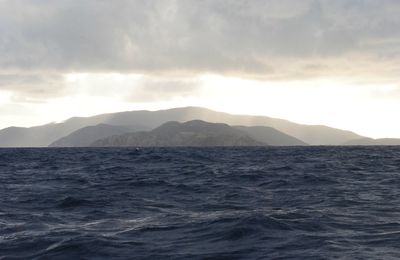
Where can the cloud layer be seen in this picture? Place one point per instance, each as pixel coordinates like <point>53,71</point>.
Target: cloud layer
<point>155,51</point>
<point>273,39</point>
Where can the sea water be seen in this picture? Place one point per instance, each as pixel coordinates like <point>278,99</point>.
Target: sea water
<point>200,203</point>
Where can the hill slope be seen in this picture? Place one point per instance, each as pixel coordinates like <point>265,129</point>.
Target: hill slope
<point>192,133</point>
<point>85,136</point>
<point>144,120</point>
<point>270,136</point>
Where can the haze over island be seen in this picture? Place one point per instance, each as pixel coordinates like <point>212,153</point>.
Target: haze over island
<point>186,126</point>
<point>312,62</point>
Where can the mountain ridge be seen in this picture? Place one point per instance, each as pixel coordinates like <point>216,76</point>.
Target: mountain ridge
<point>195,133</point>
<point>83,137</point>
<point>44,135</point>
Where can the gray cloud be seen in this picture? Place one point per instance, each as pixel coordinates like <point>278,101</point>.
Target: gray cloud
<point>260,38</point>
<point>150,89</point>
<point>32,87</point>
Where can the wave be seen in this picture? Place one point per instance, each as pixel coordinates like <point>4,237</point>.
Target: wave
<point>200,203</point>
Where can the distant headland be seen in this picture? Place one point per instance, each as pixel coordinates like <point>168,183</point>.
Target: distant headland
<point>186,126</point>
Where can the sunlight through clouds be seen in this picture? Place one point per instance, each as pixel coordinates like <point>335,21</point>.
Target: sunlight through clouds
<point>329,102</point>
<point>335,63</point>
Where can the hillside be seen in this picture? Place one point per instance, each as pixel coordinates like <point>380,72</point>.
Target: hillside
<point>85,136</point>
<point>193,133</point>
<point>270,136</point>
<point>44,135</point>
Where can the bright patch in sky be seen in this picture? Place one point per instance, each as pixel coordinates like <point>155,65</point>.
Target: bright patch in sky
<point>328,101</point>
<point>327,62</point>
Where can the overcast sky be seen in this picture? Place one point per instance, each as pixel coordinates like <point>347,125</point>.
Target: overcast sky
<point>310,61</point>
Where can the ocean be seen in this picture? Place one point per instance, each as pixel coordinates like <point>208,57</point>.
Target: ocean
<point>200,203</point>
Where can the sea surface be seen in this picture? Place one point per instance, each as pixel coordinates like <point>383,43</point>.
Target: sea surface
<point>200,203</point>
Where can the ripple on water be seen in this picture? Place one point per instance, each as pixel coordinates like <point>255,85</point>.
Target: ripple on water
<point>203,203</point>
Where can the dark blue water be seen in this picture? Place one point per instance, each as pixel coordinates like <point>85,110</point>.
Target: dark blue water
<point>211,203</point>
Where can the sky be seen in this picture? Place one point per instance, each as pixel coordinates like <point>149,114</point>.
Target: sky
<point>335,63</point>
